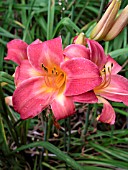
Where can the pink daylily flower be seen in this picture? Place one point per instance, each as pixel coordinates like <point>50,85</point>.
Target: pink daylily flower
<point>44,77</point>
<point>114,87</point>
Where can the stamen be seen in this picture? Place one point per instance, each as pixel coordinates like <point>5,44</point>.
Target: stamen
<point>47,82</point>
<point>106,75</point>
<point>45,68</point>
<point>60,80</point>
<point>54,71</point>
<point>53,78</point>
<point>112,65</point>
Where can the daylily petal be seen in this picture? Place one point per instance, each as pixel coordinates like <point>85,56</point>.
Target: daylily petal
<point>115,67</point>
<point>97,54</point>
<point>25,71</point>
<point>17,51</point>
<point>88,97</point>
<point>117,89</point>
<point>62,107</point>
<point>31,97</point>
<point>46,53</point>
<point>108,114</point>
<point>37,41</point>
<point>75,51</point>
<point>82,75</point>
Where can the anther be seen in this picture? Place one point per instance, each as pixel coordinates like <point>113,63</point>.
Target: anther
<point>108,69</point>
<point>103,70</point>
<point>112,65</point>
<point>45,68</point>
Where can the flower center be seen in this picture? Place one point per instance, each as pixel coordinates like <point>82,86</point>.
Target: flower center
<point>106,77</point>
<point>54,77</point>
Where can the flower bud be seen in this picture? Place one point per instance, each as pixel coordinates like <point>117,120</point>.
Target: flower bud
<point>80,39</point>
<point>118,25</point>
<point>106,22</point>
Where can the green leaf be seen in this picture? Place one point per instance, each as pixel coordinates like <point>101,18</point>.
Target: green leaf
<point>5,33</point>
<point>62,156</point>
<point>5,77</point>
<point>116,53</point>
<point>70,25</point>
<point>121,111</point>
<point>51,9</point>
<point>3,140</point>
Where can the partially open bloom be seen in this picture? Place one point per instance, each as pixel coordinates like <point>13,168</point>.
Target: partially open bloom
<point>109,26</point>
<point>44,77</point>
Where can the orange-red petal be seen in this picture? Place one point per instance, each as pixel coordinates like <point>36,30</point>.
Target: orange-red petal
<point>88,97</point>
<point>82,75</point>
<point>17,51</point>
<point>31,97</point>
<point>117,90</point>
<point>62,107</point>
<point>108,114</point>
<point>48,53</point>
<point>76,51</point>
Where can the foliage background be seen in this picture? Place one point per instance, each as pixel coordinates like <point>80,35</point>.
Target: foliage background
<point>81,142</point>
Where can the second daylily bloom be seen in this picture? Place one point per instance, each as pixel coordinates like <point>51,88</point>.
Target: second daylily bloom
<point>44,77</point>
<point>114,87</point>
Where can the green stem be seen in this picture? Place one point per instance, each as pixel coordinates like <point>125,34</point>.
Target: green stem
<point>69,135</point>
<point>47,133</point>
<point>106,47</point>
<point>65,138</point>
<point>45,139</point>
<point>86,120</point>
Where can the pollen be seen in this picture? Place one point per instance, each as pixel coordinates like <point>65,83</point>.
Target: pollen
<point>45,68</point>
<point>54,77</point>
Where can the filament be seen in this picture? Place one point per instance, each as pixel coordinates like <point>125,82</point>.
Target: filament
<point>54,78</point>
<point>106,77</point>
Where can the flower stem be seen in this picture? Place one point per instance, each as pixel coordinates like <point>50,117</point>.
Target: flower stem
<point>69,133</point>
<point>65,138</point>
<point>86,120</point>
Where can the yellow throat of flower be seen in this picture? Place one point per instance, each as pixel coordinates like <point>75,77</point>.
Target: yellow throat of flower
<point>54,77</point>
